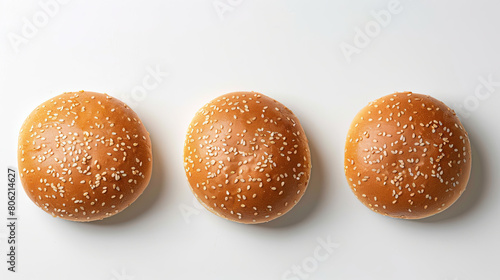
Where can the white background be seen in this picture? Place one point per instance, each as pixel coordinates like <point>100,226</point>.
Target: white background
<point>289,50</point>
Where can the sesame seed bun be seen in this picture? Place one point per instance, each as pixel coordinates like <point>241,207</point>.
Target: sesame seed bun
<point>84,156</point>
<point>247,157</point>
<point>407,156</point>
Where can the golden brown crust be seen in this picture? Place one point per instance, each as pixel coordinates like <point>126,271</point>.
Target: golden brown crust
<point>407,156</point>
<point>84,156</point>
<point>247,157</point>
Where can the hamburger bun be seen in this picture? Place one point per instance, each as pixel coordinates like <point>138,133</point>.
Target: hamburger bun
<point>84,156</point>
<point>407,156</point>
<point>247,157</point>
